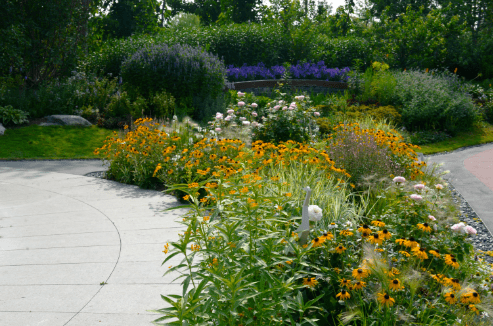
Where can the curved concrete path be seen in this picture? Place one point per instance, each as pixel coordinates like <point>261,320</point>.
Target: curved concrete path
<point>61,235</point>
<point>471,173</point>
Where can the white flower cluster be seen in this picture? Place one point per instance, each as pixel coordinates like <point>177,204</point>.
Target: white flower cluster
<point>462,228</point>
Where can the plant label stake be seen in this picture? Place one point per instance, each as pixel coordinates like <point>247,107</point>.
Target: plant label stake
<point>304,229</point>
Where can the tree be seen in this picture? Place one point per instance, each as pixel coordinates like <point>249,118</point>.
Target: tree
<point>207,10</point>
<point>395,8</point>
<point>43,38</point>
<point>184,20</point>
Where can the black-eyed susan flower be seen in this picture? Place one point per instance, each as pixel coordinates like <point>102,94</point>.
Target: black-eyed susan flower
<point>360,273</point>
<point>435,253</point>
<point>425,227</point>
<point>395,285</point>
<point>452,262</point>
<point>405,253</point>
<point>385,299</point>
<point>455,283</point>
<point>345,282</point>
<point>359,285</point>
<point>472,308</point>
<point>375,239</point>
<point>364,230</point>
<point>385,234</point>
<point>337,270</point>
<point>343,295</point>
<point>393,272</point>
<point>450,297</point>
<point>378,223</point>
<point>420,253</point>
<point>411,242</point>
<point>311,282</point>
<point>327,236</point>
<point>317,242</point>
<point>340,249</point>
<point>401,241</point>
<point>346,233</point>
<point>470,297</point>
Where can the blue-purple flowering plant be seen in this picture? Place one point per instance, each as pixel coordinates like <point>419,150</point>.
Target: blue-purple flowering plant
<point>309,70</point>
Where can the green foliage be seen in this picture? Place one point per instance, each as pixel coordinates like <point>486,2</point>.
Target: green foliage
<point>10,115</point>
<point>341,52</point>
<point>184,20</point>
<point>182,71</point>
<point>43,38</point>
<point>427,137</point>
<point>327,124</point>
<point>163,105</point>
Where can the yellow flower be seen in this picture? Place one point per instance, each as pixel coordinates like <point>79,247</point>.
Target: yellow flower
<point>364,230</point>
<point>393,272</point>
<point>345,282</point>
<point>400,241</point>
<point>327,236</point>
<point>206,218</point>
<point>470,297</point>
<point>450,297</point>
<point>425,227</point>
<point>340,249</point>
<point>434,253</point>
<point>473,308</point>
<point>385,299</point>
<point>289,262</point>
<point>343,295</point>
<point>337,270</point>
<point>378,223</point>
<point>311,282</point>
<point>346,233</point>
<point>455,283</point>
<point>317,242</point>
<point>385,234</point>
<point>193,185</point>
<point>360,273</point>
<point>420,253</point>
<point>405,253</point>
<point>375,239</point>
<point>452,262</point>
<point>166,248</point>
<point>395,284</point>
<point>187,197</point>
<point>411,243</point>
<point>288,194</point>
<point>359,285</point>
<point>195,247</point>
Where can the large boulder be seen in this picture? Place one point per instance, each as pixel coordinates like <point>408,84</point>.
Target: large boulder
<point>2,129</point>
<point>67,120</point>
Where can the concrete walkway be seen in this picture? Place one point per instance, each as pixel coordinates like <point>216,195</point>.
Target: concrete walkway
<point>62,234</point>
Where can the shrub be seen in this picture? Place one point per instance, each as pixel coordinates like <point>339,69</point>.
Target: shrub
<point>182,71</point>
<point>163,105</point>
<point>341,52</point>
<point>364,153</point>
<point>9,115</point>
<point>388,113</point>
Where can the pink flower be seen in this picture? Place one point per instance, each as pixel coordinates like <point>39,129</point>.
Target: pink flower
<point>284,108</point>
<point>241,103</point>
<point>276,107</point>
<point>281,102</point>
<point>246,123</point>
<point>254,105</point>
<point>459,227</point>
<point>254,113</point>
<point>300,98</point>
<point>240,94</point>
<point>217,129</point>
<point>228,118</point>
<point>439,186</point>
<point>431,217</point>
<point>317,114</point>
<point>291,108</point>
<point>416,197</point>
<point>399,179</point>
<point>230,111</point>
<point>419,186</point>
<point>470,230</point>
<point>219,116</point>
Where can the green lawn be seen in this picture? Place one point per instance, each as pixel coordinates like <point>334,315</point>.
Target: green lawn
<point>74,142</point>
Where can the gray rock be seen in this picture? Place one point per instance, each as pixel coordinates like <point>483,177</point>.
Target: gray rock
<point>2,129</point>
<point>67,120</point>
<point>44,124</point>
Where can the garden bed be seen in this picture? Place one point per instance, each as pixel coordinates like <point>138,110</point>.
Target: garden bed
<point>265,86</point>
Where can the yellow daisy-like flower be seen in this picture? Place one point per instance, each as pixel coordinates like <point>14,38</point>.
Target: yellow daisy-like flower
<point>375,239</point>
<point>420,253</point>
<point>470,297</point>
<point>425,227</point>
<point>346,233</point>
<point>411,242</point>
<point>364,230</point>
<point>435,253</point>
<point>393,272</point>
<point>450,297</point>
<point>473,308</point>
<point>340,249</point>
<point>405,253</point>
<point>187,197</point>
<point>360,273</point>
<point>452,262</point>
<point>385,299</point>
<point>385,234</point>
<point>396,285</point>
<point>311,282</point>
<point>345,282</point>
<point>359,285</point>
<point>378,223</point>
<point>317,242</point>
<point>337,270</point>
<point>343,295</point>
<point>401,241</point>
<point>455,284</point>
<point>327,236</point>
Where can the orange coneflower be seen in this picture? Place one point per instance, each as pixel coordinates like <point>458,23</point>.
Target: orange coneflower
<point>317,242</point>
<point>434,253</point>
<point>450,297</point>
<point>425,227</point>
<point>345,282</point>
<point>359,285</point>
<point>340,249</point>
<point>343,295</point>
<point>327,236</point>
<point>385,234</point>
<point>311,282</point>
<point>360,273</point>
<point>385,299</point>
<point>420,253</point>
<point>375,239</point>
<point>395,284</point>
<point>378,223</point>
<point>364,230</point>
<point>411,242</point>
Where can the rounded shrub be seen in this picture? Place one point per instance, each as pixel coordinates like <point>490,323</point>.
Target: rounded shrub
<point>181,70</point>
<point>377,112</point>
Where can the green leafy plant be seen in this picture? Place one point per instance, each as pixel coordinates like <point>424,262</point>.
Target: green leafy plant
<point>10,115</point>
